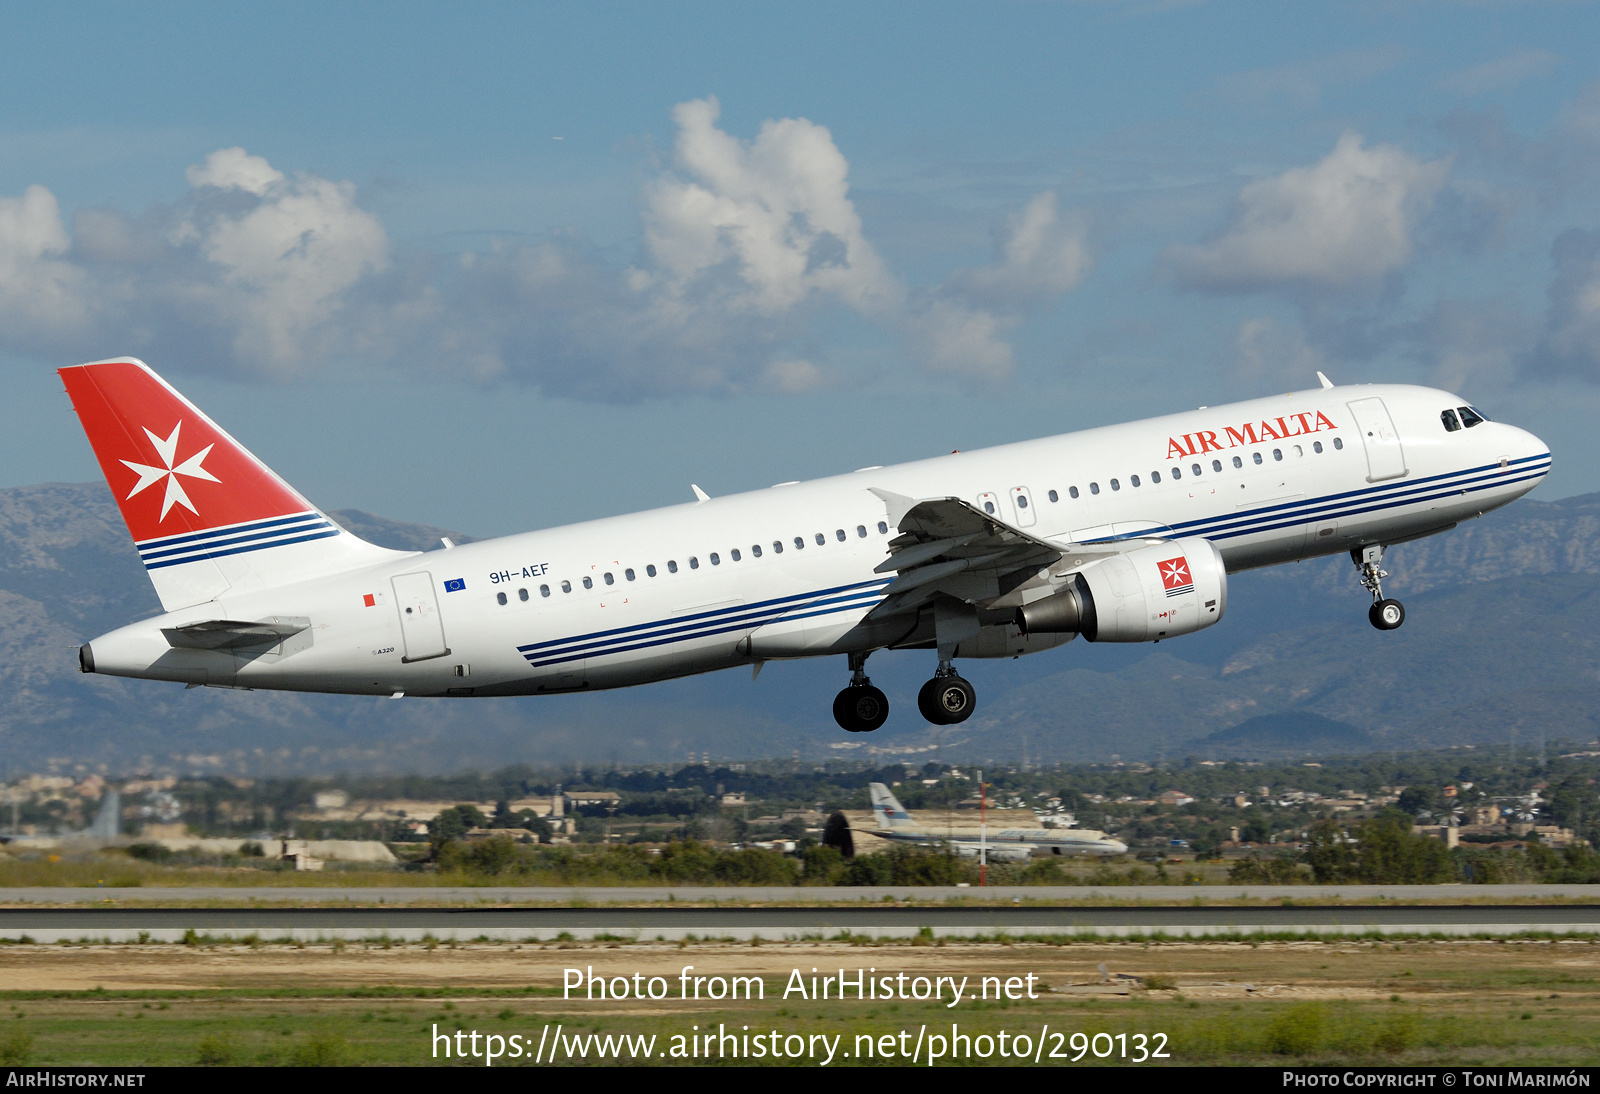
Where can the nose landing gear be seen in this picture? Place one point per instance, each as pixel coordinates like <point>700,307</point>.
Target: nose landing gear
<point>1384,614</point>
<point>947,698</point>
<point>860,708</point>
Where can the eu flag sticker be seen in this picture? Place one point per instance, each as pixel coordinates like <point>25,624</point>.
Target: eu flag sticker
<point>455,585</point>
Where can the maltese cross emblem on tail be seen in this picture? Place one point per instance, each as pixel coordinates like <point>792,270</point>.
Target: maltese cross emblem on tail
<point>168,451</point>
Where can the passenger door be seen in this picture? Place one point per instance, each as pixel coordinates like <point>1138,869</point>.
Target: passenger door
<point>1385,458</point>
<point>420,623</point>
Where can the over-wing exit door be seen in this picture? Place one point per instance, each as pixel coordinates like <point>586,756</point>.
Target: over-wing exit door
<point>420,623</point>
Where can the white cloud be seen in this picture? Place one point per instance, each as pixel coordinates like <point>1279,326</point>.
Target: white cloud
<point>41,292</point>
<point>1042,255</point>
<point>746,242</point>
<point>1502,73</point>
<point>1570,343</point>
<point>1345,221</point>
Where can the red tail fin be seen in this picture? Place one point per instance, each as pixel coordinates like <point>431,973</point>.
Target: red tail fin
<point>205,514</point>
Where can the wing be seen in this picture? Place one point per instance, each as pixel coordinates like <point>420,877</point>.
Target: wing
<point>949,547</point>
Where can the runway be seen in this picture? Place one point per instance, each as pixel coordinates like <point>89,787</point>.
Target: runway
<point>667,923</point>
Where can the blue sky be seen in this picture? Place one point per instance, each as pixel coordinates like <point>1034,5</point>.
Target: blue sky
<point>777,241</point>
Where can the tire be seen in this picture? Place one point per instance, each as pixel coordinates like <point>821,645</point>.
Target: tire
<point>1387,615</point>
<point>928,704</point>
<point>860,709</point>
<point>957,699</point>
<point>947,700</point>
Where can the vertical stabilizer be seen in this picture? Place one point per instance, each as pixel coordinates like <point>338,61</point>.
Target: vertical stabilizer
<point>887,808</point>
<point>205,514</point>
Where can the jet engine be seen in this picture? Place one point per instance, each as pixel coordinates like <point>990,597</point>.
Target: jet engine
<point>1159,591</point>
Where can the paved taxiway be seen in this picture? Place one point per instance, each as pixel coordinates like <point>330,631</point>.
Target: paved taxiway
<point>127,924</point>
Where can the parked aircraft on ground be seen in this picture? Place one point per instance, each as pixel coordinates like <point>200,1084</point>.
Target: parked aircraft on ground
<point>1124,533</point>
<point>1002,845</point>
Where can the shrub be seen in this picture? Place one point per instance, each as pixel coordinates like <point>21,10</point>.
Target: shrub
<point>323,1050</point>
<point>214,1051</point>
<point>1297,1031</point>
<point>148,852</point>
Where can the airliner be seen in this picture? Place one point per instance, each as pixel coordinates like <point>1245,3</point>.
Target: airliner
<point>1005,845</point>
<point>1125,533</point>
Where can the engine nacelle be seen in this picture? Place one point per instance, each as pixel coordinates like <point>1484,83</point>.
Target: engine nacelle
<point>1155,592</point>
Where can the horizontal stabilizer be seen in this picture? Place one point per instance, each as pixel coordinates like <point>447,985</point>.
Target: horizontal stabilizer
<point>231,634</point>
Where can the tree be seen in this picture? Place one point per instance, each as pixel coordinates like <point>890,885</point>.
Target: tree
<point>1418,800</point>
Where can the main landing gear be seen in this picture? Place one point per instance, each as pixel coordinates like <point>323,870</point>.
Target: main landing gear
<point>860,708</point>
<point>947,698</point>
<point>1385,614</point>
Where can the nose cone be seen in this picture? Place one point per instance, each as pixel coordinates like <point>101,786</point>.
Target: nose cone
<point>1116,847</point>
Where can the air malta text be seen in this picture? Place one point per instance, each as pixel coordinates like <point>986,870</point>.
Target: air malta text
<point>1274,429</point>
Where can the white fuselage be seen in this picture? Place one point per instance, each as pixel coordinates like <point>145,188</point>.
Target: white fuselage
<point>1011,844</point>
<point>722,593</point>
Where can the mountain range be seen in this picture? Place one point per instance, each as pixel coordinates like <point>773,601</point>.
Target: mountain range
<point>1497,651</point>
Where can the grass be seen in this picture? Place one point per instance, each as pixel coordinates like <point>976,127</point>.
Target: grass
<point>1331,1002</point>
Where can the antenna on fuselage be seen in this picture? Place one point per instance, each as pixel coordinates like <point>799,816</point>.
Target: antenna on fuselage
<point>699,494</point>
<point>1325,381</point>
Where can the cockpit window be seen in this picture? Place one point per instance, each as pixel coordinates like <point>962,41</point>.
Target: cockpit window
<point>1451,422</point>
<point>1470,417</point>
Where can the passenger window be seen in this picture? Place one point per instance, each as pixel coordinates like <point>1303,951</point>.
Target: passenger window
<point>1094,488</point>
<point>499,598</point>
<point>672,565</point>
<point>1237,462</point>
<point>716,559</point>
<point>1316,446</point>
<point>755,549</point>
<point>1470,417</point>
<point>821,539</point>
<point>799,543</point>
<point>544,590</point>
<point>1256,457</point>
<point>628,573</point>
<point>1133,479</point>
<point>566,586</point>
<point>1277,454</point>
<point>650,570</point>
<point>777,546</point>
<point>1298,451</point>
<point>838,534</point>
<point>1072,491</point>
<point>735,554</point>
<point>988,507</point>
<point>883,527</point>
<point>694,562</point>
<point>1022,501</point>
<point>609,579</point>
<point>588,583</point>
<point>1177,473</point>
<point>1054,496</point>
<point>1194,469</point>
<point>1338,443</point>
<point>1216,465</point>
<point>1115,485</point>
<point>522,594</point>
<point>1155,476</point>
<point>861,530</point>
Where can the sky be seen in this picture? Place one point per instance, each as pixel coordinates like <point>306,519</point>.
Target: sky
<point>503,266</point>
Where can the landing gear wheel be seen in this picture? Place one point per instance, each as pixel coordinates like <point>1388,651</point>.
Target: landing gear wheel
<point>946,700</point>
<point>860,708</point>
<point>1387,615</point>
